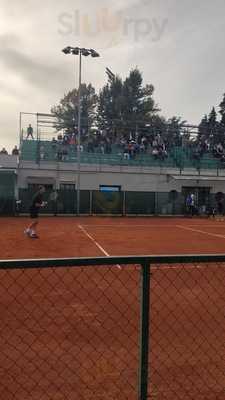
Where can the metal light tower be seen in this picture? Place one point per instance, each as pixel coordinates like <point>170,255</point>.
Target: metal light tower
<point>79,52</point>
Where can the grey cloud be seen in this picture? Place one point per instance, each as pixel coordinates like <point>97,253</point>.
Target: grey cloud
<point>37,74</point>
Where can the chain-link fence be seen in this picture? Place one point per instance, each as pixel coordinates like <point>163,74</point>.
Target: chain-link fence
<point>113,328</point>
<point>187,332</point>
<point>112,203</point>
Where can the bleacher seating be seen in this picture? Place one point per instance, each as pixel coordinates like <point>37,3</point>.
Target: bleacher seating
<point>178,156</point>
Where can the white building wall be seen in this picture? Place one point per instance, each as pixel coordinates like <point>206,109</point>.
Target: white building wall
<point>129,178</point>
<point>8,161</point>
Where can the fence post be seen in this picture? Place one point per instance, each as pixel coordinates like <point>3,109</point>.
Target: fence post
<point>144,332</point>
<point>156,203</point>
<point>90,204</point>
<point>124,203</point>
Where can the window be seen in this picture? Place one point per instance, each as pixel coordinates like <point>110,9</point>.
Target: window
<point>109,188</point>
<point>35,186</point>
<point>67,186</point>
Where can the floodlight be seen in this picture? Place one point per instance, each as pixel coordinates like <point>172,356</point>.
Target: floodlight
<point>67,50</point>
<point>94,53</point>
<point>75,51</point>
<point>85,52</point>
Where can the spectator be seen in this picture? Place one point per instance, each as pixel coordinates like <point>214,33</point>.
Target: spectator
<point>42,152</point>
<point>190,203</point>
<point>72,139</point>
<point>90,147</point>
<point>60,153</point>
<point>53,201</point>
<point>126,154</point>
<point>155,153</point>
<point>59,138</point>
<point>81,148</point>
<point>30,132</point>
<point>220,204</point>
<point>54,144</point>
<point>66,139</point>
<point>102,148</point>
<point>142,148</point>
<point>15,151</point>
<point>64,153</point>
<point>3,151</point>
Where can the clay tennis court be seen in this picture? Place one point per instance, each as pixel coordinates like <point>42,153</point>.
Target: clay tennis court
<point>74,332</point>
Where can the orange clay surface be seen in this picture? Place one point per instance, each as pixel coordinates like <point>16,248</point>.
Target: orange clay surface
<point>72,333</point>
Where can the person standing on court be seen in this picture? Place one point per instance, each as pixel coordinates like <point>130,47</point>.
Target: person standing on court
<point>192,204</point>
<point>220,206</point>
<point>53,198</point>
<point>30,132</point>
<point>36,203</point>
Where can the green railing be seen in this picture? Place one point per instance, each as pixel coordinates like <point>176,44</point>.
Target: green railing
<point>178,157</point>
<point>132,327</point>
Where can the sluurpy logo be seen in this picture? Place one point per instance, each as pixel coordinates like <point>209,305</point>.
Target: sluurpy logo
<point>113,26</point>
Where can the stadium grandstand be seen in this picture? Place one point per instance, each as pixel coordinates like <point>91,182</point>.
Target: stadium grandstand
<point>139,174</point>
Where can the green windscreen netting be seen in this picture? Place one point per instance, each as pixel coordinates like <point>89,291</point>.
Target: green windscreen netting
<point>7,192</point>
<point>107,202</point>
<point>140,203</point>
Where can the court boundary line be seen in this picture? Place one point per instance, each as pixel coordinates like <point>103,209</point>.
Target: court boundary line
<point>148,226</point>
<point>154,268</point>
<point>200,231</point>
<point>96,243</point>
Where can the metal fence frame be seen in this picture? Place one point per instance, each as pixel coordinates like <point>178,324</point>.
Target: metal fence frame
<point>145,262</point>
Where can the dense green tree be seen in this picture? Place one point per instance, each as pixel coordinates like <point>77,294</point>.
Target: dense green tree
<point>222,121</point>
<point>222,107</point>
<point>174,129</point>
<point>203,129</point>
<point>66,112</point>
<point>213,127</point>
<point>126,107</point>
<point>110,104</point>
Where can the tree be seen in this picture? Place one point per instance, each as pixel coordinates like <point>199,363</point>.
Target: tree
<point>213,126</point>
<point>139,106</point>
<point>174,130</point>
<point>110,101</point>
<point>222,107</point>
<point>158,125</point>
<point>66,112</point>
<point>126,107</point>
<point>222,121</point>
<point>203,129</point>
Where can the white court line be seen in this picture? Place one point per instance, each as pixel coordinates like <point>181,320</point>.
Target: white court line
<point>150,226</point>
<point>200,231</point>
<point>169,267</point>
<point>96,243</point>
<point>126,226</point>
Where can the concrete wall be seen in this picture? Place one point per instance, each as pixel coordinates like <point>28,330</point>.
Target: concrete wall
<point>8,162</point>
<point>129,178</point>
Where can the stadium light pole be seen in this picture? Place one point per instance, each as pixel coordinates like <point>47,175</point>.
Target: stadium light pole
<point>78,51</point>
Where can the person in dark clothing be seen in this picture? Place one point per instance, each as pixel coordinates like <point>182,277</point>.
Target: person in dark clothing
<point>36,203</point>
<point>30,132</point>
<point>53,199</point>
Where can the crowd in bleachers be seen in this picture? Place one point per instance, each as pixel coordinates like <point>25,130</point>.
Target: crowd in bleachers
<point>128,147</point>
<point>15,151</point>
<point>157,145</point>
<point>105,142</point>
<point>199,148</point>
<point>63,145</point>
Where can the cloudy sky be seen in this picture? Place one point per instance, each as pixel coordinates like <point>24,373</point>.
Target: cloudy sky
<point>177,44</point>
